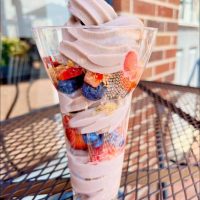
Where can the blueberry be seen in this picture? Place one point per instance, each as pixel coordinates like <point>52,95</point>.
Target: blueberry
<point>96,140</point>
<point>71,85</point>
<point>91,137</point>
<point>116,139</point>
<point>92,93</point>
<point>98,143</point>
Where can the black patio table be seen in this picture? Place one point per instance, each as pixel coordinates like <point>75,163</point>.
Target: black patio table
<point>162,159</point>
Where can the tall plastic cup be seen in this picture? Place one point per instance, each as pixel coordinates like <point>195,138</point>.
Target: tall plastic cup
<point>95,101</point>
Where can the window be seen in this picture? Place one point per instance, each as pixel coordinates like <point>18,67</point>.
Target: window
<point>179,68</point>
<point>192,61</point>
<point>189,11</point>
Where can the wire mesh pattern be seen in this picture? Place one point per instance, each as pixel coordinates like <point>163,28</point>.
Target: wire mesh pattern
<point>162,159</point>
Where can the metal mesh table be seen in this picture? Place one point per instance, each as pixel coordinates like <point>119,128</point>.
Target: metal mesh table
<point>162,159</point>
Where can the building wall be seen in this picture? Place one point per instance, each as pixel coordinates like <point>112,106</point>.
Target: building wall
<point>163,15</point>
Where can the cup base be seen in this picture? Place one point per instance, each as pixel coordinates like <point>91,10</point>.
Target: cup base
<point>99,181</point>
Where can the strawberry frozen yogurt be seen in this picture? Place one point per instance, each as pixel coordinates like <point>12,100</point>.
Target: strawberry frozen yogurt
<point>95,61</point>
<point>95,90</point>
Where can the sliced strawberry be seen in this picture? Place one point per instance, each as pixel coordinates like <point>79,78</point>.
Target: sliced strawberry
<point>48,60</point>
<point>130,61</point>
<point>132,71</point>
<point>93,79</point>
<point>75,139</point>
<point>70,73</point>
<point>98,76</point>
<point>136,74</point>
<point>66,121</point>
<point>97,154</point>
<point>56,63</point>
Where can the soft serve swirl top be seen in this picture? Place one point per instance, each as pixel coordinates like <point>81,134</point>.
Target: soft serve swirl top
<point>101,44</point>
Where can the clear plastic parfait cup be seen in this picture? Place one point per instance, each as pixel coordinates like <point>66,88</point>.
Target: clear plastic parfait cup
<point>95,71</point>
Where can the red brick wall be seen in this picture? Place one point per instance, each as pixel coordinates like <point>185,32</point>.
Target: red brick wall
<point>162,14</point>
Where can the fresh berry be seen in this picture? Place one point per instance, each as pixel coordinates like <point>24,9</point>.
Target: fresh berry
<point>97,154</point>
<point>130,80</point>
<point>90,137</point>
<point>96,140</point>
<point>75,139</point>
<point>71,85</point>
<point>69,73</point>
<point>98,76</point>
<point>59,69</point>
<point>116,139</point>
<point>56,63</point>
<point>132,70</point>
<point>92,93</point>
<point>65,120</point>
<point>130,61</point>
<point>98,143</point>
<point>47,60</point>
<point>136,74</point>
<point>93,79</point>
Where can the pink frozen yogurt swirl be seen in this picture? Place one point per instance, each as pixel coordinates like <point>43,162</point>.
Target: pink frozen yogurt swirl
<point>102,44</point>
<point>96,41</point>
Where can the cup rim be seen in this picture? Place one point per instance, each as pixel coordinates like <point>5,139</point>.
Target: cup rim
<point>95,27</point>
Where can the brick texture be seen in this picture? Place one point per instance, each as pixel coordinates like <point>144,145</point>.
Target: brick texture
<point>144,8</point>
<point>156,55</point>
<point>163,16</point>
<point>147,73</point>
<point>172,27</point>
<point>176,2</point>
<point>170,53</point>
<point>159,25</point>
<point>123,5</point>
<point>165,12</point>
<point>162,68</point>
<point>169,78</point>
<point>163,40</point>
<point>173,65</point>
<point>174,40</point>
